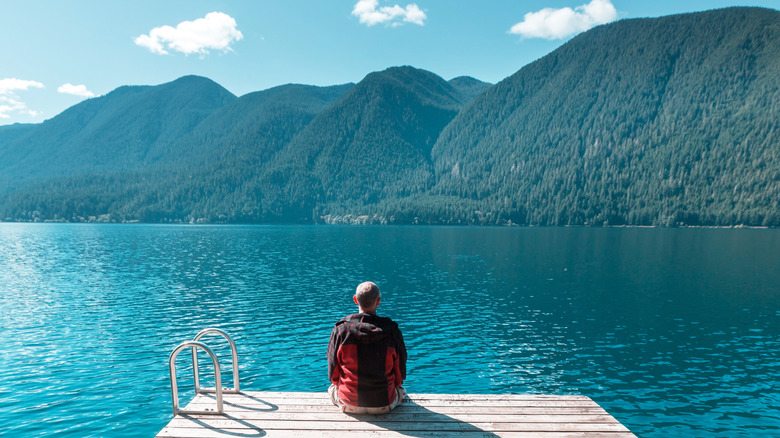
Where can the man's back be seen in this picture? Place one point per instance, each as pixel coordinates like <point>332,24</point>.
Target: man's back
<point>366,360</point>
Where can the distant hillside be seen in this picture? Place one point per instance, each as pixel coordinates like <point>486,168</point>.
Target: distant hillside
<point>123,130</point>
<point>666,121</point>
<point>372,144</point>
<point>255,126</point>
<point>205,174</point>
<point>10,133</point>
<point>468,87</point>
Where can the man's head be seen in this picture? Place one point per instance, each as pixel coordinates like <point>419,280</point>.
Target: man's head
<point>367,297</point>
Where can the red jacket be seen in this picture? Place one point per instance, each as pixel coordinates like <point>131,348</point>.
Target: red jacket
<point>366,359</point>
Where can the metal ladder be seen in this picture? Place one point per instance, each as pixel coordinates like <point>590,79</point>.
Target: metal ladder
<point>194,344</point>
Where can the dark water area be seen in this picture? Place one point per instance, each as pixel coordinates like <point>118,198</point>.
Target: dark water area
<point>673,331</point>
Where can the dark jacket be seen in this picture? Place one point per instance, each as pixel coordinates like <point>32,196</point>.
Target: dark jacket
<point>366,359</point>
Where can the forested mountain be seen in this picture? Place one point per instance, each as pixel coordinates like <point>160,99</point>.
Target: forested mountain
<point>205,174</point>
<point>124,130</point>
<point>371,145</point>
<point>9,133</point>
<point>666,121</point>
<point>255,126</point>
<point>468,87</point>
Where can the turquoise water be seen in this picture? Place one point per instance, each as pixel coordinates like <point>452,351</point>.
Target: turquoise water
<point>673,331</point>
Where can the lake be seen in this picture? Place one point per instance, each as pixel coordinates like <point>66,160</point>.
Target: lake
<point>673,331</point>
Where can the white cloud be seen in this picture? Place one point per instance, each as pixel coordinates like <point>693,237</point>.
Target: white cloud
<point>10,85</point>
<point>76,90</point>
<point>215,31</point>
<point>10,102</point>
<point>369,13</point>
<point>554,24</point>
<point>5,110</point>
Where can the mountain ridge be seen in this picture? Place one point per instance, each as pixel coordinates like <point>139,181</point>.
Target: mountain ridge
<point>657,121</point>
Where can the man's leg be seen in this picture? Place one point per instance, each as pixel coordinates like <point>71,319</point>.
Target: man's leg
<point>400,393</point>
<point>333,391</point>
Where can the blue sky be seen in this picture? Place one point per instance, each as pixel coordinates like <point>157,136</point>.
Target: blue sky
<point>57,53</point>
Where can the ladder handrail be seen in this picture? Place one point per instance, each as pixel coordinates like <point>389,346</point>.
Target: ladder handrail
<point>174,386</point>
<point>236,387</point>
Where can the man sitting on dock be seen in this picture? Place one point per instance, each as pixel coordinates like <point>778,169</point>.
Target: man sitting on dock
<point>366,358</point>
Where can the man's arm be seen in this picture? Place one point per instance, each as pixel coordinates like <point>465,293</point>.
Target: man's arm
<point>401,354</point>
<point>400,350</point>
<point>333,365</point>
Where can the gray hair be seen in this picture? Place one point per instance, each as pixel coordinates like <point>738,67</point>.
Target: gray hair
<point>367,293</point>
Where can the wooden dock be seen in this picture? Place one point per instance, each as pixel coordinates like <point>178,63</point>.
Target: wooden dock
<point>310,414</point>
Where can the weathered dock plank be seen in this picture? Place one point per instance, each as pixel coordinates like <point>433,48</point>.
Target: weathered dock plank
<point>297,414</point>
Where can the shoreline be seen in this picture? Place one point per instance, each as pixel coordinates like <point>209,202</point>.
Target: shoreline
<point>385,224</point>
